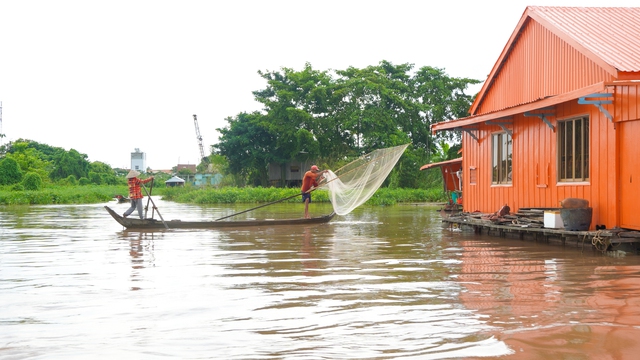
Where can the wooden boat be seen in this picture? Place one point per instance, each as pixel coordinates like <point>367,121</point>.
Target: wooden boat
<point>141,224</point>
<point>121,199</point>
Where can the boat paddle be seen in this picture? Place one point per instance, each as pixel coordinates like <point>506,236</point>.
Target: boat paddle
<point>154,205</point>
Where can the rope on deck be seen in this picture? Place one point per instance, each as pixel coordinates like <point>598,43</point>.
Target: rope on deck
<point>599,242</point>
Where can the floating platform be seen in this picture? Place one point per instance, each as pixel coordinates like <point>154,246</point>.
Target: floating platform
<point>529,225</point>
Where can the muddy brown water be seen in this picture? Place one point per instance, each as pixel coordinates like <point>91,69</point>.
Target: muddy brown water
<point>379,283</point>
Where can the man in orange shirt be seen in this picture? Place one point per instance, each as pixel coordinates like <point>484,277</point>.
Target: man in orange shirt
<point>310,182</point>
<point>134,192</point>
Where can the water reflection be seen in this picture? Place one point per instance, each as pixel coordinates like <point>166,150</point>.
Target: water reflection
<point>141,251</point>
<point>379,283</point>
<point>546,306</point>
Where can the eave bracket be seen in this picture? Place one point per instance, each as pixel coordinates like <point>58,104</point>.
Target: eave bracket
<point>598,103</point>
<point>543,116</point>
<point>469,131</point>
<point>503,125</point>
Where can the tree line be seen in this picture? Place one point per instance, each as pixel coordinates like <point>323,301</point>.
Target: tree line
<point>28,164</point>
<point>335,116</point>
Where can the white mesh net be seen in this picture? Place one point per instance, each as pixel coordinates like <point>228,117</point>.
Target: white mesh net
<point>353,184</point>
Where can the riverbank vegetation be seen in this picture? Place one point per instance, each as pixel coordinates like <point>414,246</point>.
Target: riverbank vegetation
<point>93,194</point>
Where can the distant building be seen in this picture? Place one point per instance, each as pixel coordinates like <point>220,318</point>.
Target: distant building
<point>174,181</point>
<point>292,173</point>
<point>138,160</point>
<point>190,167</point>
<point>207,179</point>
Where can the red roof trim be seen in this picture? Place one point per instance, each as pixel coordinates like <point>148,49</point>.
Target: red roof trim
<point>442,163</point>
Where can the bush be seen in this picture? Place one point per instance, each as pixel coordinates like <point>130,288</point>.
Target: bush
<point>17,187</point>
<point>32,181</point>
<point>84,181</point>
<point>69,180</point>
<point>10,172</point>
<point>95,178</point>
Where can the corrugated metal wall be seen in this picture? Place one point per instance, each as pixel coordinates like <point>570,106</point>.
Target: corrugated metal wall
<point>626,104</point>
<point>540,64</point>
<point>535,176</point>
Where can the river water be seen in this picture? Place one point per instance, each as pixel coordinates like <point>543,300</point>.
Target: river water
<point>379,283</point>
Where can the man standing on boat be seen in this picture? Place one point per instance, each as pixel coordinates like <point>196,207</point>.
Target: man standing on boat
<point>309,183</point>
<point>134,192</point>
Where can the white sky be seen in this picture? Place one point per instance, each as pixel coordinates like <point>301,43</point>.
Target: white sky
<point>107,77</point>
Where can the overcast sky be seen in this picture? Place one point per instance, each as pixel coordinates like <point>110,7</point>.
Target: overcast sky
<point>107,77</point>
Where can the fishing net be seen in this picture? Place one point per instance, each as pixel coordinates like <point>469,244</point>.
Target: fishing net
<point>353,184</point>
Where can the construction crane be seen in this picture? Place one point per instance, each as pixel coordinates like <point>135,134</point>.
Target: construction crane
<point>199,137</point>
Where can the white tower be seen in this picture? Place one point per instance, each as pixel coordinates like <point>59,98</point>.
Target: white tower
<point>138,161</point>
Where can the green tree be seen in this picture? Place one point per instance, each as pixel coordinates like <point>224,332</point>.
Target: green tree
<point>67,163</point>
<point>377,102</point>
<point>10,172</point>
<point>439,98</point>
<point>95,178</point>
<point>299,106</point>
<point>101,173</point>
<point>30,160</point>
<point>69,180</point>
<point>314,114</point>
<point>248,145</point>
<point>44,151</point>
<point>32,181</point>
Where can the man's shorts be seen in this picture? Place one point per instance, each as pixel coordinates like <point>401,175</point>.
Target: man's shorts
<point>306,196</point>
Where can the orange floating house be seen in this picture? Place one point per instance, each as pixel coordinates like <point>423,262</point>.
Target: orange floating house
<point>559,117</point>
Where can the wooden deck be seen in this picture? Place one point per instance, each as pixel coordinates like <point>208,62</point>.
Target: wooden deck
<point>529,225</point>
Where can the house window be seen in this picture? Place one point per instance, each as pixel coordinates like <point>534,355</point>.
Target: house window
<point>573,149</point>
<point>501,149</point>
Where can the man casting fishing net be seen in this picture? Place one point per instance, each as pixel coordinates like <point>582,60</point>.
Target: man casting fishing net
<point>309,182</point>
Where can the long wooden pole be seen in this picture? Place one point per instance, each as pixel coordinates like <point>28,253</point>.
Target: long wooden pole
<point>149,199</point>
<point>154,205</point>
<point>263,205</point>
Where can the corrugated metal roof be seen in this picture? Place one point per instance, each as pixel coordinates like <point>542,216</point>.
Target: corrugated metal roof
<point>610,33</point>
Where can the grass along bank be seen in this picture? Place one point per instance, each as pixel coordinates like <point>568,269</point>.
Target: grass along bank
<point>231,195</point>
<point>88,194</point>
<point>93,194</point>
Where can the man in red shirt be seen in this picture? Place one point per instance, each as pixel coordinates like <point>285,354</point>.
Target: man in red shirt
<point>310,182</point>
<point>134,192</point>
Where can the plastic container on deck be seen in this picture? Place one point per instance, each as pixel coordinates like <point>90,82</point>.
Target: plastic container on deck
<point>553,219</point>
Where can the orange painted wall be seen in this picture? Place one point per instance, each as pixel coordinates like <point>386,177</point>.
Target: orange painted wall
<point>534,180</point>
<point>539,65</point>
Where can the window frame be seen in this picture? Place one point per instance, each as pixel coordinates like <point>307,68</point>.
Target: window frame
<point>501,142</point>
<point>573,149</point>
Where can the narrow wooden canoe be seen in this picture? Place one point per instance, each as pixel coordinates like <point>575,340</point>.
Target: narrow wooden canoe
<point>135,223</point>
